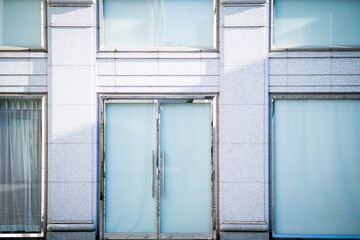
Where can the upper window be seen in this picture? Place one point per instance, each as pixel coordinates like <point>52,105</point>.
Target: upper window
<point>21,167</point>
<point>21,23</point>
<point>316,23</point>
<point>316,168</point>
<point>158,23</point>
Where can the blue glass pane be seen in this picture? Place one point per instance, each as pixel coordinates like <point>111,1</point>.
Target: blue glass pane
<point>20,23</point>
<point>316,23</point>
<point>158,23</point>
<point>317,165</point>
<point>130,138</point>
<point>186,139</point>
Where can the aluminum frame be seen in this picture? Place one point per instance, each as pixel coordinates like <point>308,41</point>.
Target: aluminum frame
<point>272,99</point>
<point>44,135</point>
<point>273,47</point>
<point>43,47</point>
<point>109,98</point>
<point>215,48</point>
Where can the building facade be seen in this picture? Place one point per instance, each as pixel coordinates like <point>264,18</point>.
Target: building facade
<point>204,119</point>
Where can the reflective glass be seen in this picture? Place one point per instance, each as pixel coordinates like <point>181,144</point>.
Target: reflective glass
<point>316,23</point>
<point>129,140</point>
<point>20,23</point>
<point>317,166</point>
<point>158,23</point>
<point>186,140</point>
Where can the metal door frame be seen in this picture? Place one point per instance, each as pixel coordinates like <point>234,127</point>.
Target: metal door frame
<point>157,100</point>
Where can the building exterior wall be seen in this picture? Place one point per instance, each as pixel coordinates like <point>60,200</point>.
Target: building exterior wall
<point>242,72</point>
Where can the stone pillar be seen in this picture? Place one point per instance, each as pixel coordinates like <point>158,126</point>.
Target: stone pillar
<point>72,161</point>
<point>243,119</point>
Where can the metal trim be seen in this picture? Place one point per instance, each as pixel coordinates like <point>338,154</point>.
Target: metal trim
<point>44,157</point>
<point>157,99</point>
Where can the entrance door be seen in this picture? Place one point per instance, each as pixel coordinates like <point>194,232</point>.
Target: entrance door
<point>158,169</point>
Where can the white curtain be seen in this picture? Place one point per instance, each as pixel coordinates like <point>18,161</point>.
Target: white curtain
<point>20,165</point>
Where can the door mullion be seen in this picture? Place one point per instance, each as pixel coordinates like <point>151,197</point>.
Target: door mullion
<point>158,170</point>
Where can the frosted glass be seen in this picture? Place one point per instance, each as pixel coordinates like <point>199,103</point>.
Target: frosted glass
<point>130,138</point>
<point>317,166</point>
<point>186,139</point>
<point>158,23</point>
<point>316,23</point>
<point>20,23</point>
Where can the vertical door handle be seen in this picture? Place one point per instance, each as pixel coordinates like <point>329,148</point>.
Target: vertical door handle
<point>163,175</point>
<point>152,173</point>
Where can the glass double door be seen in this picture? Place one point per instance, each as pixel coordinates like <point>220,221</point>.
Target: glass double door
<point>158,169</point>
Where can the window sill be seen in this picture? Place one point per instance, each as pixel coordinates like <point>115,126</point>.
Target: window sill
<point>21,49</point>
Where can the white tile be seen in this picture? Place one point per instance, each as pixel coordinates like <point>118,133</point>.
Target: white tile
<point>11,80</point>
<point>72,163</point>
<point>137,81</point>
<point>210,66</point>
<point>242,202</point>
<point>70,201</point>
<point>345,80</point>
<point>38,66</point>
<point>242,123</point>
<point>72,85</point>
<point>244,85</point>
<point>245,16</point>
<point>14,66</point>
<point>71,123</point>
<point>180,67</point>
<point>244,46</point>
<point>105,66</point>
<point>309,66</point>
<point>106,81</point>
<point>345,66</point>
<point>242,162</point>
<point>277,66</point>
<point>143,67</point>
<point>72,46</point>
<point>71,16</point>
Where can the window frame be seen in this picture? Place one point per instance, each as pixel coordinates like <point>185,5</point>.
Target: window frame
<point>215,40</point>
<point>273,48</point>
<point>43,170</point>
<point>272,99</point>
<point>43,46</point>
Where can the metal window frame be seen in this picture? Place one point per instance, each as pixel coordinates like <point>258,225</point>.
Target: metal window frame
<point>43,47</point>
<point>103,99</point>
<point>215,40</point>
<point>294,96</point>
<point>44,136</point>
<point>273,47</point>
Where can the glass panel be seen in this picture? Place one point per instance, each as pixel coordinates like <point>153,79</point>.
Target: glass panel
<point>20,165</point>
<point>129,140</point>
<point>20,23</point>
<point>312,23</point>
<point>158,23</point>
<point>186,139</point>
<point>317,180</point>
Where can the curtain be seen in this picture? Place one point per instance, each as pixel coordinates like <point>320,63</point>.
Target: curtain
<point>20,165</point>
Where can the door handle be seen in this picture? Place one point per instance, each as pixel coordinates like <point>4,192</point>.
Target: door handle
<point>152,173</point>
<point>163,175</point>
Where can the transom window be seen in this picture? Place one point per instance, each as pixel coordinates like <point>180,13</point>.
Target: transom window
<point>22,23</point>
<point>158,23</point>
<point>316,23</point>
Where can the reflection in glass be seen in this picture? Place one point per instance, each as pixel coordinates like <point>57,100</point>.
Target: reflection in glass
<point>317,166</point>
<point>316,23</point>
<point>158,23</point>
<point>20,23</point>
